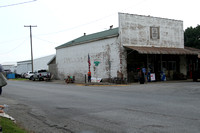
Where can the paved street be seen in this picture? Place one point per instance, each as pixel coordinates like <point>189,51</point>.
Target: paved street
<point>46,107</point>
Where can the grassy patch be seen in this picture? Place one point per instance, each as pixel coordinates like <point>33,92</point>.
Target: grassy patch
<point>9,126</point>
<point>19,79</point>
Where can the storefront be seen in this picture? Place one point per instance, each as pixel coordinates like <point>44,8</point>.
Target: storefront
<point>159,63</point>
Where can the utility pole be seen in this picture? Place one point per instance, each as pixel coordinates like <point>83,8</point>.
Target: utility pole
<point>30,26</point>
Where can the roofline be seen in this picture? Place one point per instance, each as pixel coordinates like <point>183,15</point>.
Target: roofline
<point>75,42</point>
<point>151,16</point>
<point>51,59</point>
<point>107,37</point>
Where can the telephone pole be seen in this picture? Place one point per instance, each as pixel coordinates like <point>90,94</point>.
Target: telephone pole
<point>30,26</point>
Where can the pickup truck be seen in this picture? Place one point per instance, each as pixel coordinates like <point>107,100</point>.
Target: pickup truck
<point>28,75</point>
<point>41,75</point>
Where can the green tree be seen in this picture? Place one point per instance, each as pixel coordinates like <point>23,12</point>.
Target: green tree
<point>192,37</point>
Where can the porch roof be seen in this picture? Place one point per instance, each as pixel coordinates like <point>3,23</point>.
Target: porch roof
<point>194,50</point>
<point>161,50</point>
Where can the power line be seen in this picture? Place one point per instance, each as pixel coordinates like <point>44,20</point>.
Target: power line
<point>14,48</point>
<point>18,3</point>
<point>46,40</point>
<point>91,22</point>
<point>8,41</point>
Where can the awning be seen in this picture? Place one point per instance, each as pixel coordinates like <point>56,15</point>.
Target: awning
<point>194,50</point>
<point>161,50</point>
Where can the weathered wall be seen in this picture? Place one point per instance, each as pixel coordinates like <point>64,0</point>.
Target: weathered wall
<point>149,31</point>
<point>73,60</point>
<point>53,70</point>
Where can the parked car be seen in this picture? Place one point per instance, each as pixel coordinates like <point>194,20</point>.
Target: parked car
<point>17,75</point>
<point>41,75</point>
<point>29,75</point>
<point>23,75</point>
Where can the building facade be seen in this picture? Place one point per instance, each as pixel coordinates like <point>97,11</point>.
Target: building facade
<point>23,66</point>
<point>156,44</point>
<point>9,67</point>
<point>39,63</point>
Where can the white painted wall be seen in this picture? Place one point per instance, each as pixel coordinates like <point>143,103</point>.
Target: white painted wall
<point>73,60</point>
<point>12,68</point>
<point>41,63</point>
<point>135,31</point>
<point>23,67</point>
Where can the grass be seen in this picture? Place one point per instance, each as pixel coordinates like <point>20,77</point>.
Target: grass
<point>19,79</point>
<point>9,126</point>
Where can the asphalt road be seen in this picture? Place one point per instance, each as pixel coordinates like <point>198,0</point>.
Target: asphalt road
<point>45,107</point>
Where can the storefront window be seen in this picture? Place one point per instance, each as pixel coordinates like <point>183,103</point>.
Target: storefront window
<point>172,65</point>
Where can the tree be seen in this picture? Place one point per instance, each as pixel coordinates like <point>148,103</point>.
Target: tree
<point>192,37</point>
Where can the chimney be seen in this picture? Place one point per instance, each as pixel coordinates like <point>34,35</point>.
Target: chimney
<point>111,27</point>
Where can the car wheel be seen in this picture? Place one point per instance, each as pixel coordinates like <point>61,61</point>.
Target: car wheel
<point>32,78</point>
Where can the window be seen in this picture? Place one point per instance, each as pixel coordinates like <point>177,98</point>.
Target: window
<point>172,65</point>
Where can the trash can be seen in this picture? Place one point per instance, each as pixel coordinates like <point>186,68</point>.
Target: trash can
<point>10,76</point>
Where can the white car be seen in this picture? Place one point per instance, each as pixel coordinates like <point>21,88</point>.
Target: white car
<point>29,75</point>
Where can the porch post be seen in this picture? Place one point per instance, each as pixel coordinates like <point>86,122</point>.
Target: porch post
<point>161,65</point>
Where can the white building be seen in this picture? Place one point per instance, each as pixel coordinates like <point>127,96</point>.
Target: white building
<point>23,66</point>
<point>9,66</point>
<point>39,63</point>
<point>156,44</point>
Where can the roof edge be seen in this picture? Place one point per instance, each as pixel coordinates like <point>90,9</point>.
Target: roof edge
<point>73,44</point>
<point>91,38</point>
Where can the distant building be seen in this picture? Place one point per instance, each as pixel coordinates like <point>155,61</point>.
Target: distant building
<point>156,44</point>
<point>39,63</point>
<point>9,67</point>
<point>53,67</point>
<point>24,66</point>
<point>42,63</point>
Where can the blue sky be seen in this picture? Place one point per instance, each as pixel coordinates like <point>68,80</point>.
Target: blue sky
<point>59,21</point>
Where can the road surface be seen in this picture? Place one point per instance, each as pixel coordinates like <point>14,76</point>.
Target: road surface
<point>45,107</point>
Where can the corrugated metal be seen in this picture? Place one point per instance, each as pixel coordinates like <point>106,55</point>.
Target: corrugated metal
<point>161,50</point>
<point>194,50</point>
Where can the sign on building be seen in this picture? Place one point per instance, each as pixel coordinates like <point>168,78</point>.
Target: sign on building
<point>154,32</point>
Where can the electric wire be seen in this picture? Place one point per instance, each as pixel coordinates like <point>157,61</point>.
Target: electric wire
<point>91,22</point>
<point>18,3</point>
<point>69,29</point>
<point>13,48</point>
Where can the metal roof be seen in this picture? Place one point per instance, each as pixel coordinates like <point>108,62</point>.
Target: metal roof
<point>194,50</point>
<point>161,50</point>
<point>92,37</point>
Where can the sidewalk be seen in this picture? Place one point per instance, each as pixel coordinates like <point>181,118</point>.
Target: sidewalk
<point>113,84</point>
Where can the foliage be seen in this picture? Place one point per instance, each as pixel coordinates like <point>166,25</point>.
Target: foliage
<point>9,126</point>
<point>192,37</point>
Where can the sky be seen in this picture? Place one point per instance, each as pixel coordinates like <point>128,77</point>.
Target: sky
<point>60,21</point>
